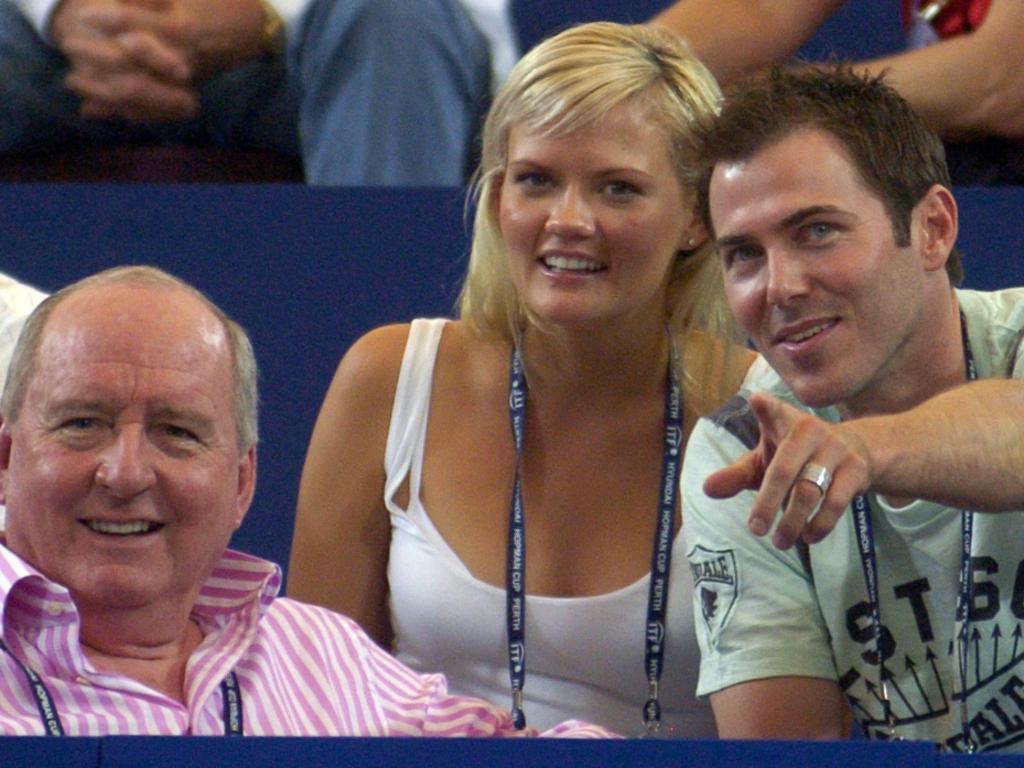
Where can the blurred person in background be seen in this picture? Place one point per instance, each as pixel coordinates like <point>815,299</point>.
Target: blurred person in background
<point>961,71</point>
<point>364,91</point>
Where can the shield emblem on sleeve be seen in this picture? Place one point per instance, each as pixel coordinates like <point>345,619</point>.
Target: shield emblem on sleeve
<point>715,582</point>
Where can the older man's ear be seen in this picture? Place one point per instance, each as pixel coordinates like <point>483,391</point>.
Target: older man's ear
<point>246,482</point>
<point>5,457</point>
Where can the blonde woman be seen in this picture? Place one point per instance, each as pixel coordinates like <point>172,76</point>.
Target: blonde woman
<point>488,496</point>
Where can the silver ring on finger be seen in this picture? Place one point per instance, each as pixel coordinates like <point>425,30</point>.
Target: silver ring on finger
<point>817,474</point>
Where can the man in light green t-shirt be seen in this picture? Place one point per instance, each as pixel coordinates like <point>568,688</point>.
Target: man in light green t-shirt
<point>861,437</point>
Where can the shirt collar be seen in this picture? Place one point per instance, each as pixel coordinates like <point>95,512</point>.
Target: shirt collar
<point>27,595</point>
<point>237,581</point>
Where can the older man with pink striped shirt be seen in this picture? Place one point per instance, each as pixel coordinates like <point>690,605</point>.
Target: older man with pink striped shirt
<point>127,459</point>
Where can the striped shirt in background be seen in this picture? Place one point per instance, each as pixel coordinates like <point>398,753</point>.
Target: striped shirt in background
<point>302,670</point>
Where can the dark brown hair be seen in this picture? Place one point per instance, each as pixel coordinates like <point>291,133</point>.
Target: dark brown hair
<point>897,156</point>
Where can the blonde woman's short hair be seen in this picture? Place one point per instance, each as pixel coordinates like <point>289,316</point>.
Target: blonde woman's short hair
<point>571,80</point>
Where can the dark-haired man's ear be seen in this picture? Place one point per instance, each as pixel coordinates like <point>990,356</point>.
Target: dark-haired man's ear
<point>935,220</point>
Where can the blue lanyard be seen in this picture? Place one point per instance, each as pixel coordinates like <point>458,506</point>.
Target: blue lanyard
<point>234,723</point>
<point>869,565</point>
<point>661,559</point>
<point>515,576</point>
<point>50,718</point>
<point>52,725</point>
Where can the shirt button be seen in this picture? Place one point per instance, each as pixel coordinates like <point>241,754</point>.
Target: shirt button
<point>54,608</point>
<point>83,680</point>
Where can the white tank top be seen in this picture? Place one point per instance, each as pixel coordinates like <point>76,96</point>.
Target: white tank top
<point>584,655</point>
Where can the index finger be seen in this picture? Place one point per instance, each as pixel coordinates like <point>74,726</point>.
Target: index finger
<point>163,61</point>
<point>792,450</point>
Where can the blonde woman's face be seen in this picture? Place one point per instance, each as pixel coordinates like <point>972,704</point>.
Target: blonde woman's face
<point>593,219</point>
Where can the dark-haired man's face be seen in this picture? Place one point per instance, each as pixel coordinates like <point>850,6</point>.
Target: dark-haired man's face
<point>812,271</point>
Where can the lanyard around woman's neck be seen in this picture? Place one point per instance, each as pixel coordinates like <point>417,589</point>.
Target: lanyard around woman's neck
<point>869,564</point>
<point>50,717</point>
<point>661,559</point>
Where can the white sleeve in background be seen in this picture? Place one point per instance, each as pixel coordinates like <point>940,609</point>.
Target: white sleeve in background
<point>289,10</point>
<point>17,301</point>
<point>38,13</point>
<point>494,19</point>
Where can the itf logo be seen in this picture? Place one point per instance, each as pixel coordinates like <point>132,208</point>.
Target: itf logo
<point>715,583</point>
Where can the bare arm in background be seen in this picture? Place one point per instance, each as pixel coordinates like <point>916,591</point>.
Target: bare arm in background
<point>969,84</point>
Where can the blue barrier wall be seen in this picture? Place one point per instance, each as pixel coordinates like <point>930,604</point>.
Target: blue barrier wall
<point>307,271</point>
<point>155,752</point>
<point>175,751</point>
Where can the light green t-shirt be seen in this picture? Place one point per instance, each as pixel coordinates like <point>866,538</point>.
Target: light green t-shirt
<point>761,612</point>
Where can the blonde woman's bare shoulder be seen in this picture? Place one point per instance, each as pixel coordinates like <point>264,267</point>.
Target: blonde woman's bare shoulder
<point>369,369</point>
<point>380,344</point>
<point>352,425</point>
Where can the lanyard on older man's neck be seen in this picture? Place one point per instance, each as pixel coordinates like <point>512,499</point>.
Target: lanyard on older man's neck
<point>52,726</point>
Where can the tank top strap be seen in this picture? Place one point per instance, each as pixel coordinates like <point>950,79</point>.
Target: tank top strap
<point>407,433</point>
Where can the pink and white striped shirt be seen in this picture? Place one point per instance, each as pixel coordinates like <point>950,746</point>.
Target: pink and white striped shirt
<point>302,670</point>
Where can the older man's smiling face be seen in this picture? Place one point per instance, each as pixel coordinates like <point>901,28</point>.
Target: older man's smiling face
<point>122,474</point>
